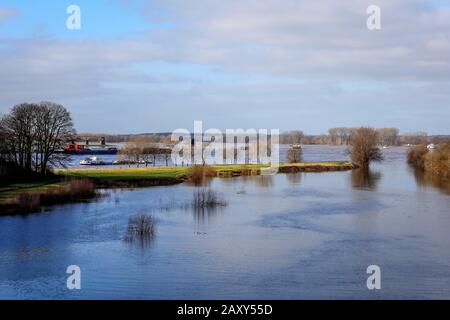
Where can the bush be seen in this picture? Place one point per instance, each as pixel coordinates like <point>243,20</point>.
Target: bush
<point>248,171</point>
<point>29,202</point>
<point>416,156</point>
<point>364,147</point>
<point>294,155</point>
<point>437,162</point>
<point>199,174</point>
<point>74,191</point>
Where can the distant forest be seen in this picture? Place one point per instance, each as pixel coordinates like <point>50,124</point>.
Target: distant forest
<point>334,136</point>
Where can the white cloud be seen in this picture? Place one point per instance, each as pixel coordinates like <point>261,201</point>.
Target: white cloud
<point>319,49</point>
<point>312,38</point>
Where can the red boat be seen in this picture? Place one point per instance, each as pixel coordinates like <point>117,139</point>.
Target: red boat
<point>77,149</point>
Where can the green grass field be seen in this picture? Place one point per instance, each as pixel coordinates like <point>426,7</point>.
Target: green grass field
<point>125,174</point>
<point>172,172</point>
<point>8,191</point>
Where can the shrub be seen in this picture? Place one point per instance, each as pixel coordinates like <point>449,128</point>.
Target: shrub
<point>199,174</point>
<point>416,156</point>
<point>27,202</point>
<point>437,162</point>
<point>364,147</point>
<point>246,170</point>
<point>73,191</point>
<point>294,155</point>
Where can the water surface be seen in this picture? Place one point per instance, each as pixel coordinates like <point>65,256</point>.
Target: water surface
<point>296,236</point>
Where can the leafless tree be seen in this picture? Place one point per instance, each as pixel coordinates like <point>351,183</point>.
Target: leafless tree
<point>388,136</point>
<point>144,150</point>
<point>34,133</point>
<point>294,155</point>
<point>20,130</point>
<point>341,136</point>
<point>364,147</point>
<point>292,137</point>
<point>54,127</point>
<point>131,152</point>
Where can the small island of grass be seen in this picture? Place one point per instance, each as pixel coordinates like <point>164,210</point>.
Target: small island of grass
<point>75,185</point>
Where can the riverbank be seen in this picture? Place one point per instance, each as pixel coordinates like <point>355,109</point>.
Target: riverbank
<point>9,190</point>
<point>58,187</point>
<point>174,175</point>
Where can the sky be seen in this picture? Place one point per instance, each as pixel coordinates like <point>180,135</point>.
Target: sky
<point>157,65</point>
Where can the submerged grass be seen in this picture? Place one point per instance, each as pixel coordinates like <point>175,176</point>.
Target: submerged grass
<point>207,199</point>
<point>141,226</point>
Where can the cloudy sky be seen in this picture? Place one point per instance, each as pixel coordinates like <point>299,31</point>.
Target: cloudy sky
<point>157,65</point>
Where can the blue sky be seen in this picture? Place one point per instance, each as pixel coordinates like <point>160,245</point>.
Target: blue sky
<point>145,66</point>
<point>100,19</point>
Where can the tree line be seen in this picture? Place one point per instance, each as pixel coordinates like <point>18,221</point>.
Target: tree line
<point>31,136</point>
<point>144,150</point>
<point>334,136</point>
<point>339,136</point>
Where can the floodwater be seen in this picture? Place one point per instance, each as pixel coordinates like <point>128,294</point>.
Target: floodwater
<point>296,236</point>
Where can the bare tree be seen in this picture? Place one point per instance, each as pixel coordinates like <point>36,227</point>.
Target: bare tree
<point>144,150</point>
<point>20,130</point>
<point>364,147</point>
<point>294,155</point>
<point>54,127</point>
<point>388,136</point>
<point>34,133</point>
<point>131,152</point>
<point>341,135</point>
<point>292,137</point>
<point>414,138</point>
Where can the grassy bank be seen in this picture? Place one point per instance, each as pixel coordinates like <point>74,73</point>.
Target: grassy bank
<point>8,190</point>
<point>165,175</point>
<point>153,175</point>
<point>33,199</point>
<point>67,186</point>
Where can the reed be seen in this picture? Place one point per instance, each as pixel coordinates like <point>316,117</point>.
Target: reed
<point>198,175</point>
<point>140,226</point>
<point>30,202</point>
<point>207,198</point>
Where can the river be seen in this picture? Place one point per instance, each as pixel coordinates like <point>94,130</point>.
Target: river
<point>296,236</point>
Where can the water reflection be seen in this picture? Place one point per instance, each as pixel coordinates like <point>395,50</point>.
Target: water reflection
<point>327,228</point>
<point>294,178</point>
<point>143,242</point>
<point>141,230</point>
<point>264,181</point>
<point>205,215</point>
<point>365,179</point>
<point>205,204</point>
<point>204,181</point>
<point>428,180</point>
